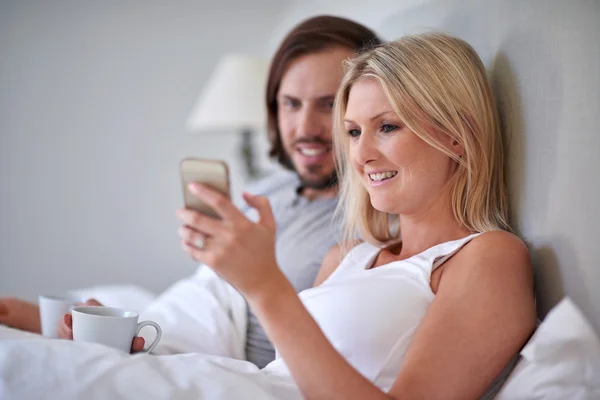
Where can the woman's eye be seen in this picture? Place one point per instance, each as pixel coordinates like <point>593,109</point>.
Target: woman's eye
<point>387,128</point>
<point>354,132</point>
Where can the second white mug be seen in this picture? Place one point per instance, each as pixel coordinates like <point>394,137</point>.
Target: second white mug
<point>52,312</point>
<point>110,326</point>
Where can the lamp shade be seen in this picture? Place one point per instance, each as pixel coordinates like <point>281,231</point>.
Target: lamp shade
<point>233,97</point>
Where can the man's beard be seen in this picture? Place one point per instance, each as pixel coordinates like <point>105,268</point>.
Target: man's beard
<point>321,182</point>
<point>309,182</point>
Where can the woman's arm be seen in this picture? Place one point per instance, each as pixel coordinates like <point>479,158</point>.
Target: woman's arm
<point>243,253</point>
<point>481,316</point>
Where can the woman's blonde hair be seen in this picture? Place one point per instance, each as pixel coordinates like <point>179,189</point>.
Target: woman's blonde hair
<point>434,82</point>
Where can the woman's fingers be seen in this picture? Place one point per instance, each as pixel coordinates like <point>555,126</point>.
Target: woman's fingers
<point>263,206</point>
<point>65,331</point>
<point>138,344</point>
<point>193,237</point>
<point>218,201</point>
<point>197,253</point>
<point>200,222</point>
<point>68,321</point>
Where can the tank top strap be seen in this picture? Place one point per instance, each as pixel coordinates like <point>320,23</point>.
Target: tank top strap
<point>357,258</point>
<point>441,254</point>
<point>362,255</point>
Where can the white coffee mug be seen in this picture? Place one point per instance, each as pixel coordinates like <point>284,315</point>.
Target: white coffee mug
<point>109,326</point>
<point>52,312</point>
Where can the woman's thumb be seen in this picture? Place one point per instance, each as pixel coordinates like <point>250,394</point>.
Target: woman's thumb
<point>92,302</point>
<point>263,206</point>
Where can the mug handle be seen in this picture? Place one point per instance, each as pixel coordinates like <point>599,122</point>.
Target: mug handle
<point>156,339</point>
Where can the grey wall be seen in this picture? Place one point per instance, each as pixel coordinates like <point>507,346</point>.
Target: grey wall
<point>94,96</point>
<point>544,61</point>
<point>93,101</point>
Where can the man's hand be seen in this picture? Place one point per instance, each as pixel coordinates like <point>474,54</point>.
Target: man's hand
<point>65,330</point>
<point>20,314</point>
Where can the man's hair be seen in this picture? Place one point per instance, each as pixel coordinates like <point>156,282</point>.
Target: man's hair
<point>435,83</point>
<point>310,36</point>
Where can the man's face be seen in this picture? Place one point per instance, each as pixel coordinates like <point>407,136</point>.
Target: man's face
<point>304,103</point>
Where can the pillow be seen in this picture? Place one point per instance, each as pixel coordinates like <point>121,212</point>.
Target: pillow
<point>560,361</point>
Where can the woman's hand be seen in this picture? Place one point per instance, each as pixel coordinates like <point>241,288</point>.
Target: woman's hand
<point>240,251</point>
<point>20,314</point>
<point>65,331</point>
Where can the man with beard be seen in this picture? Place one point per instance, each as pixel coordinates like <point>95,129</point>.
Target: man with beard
<point>194,313</point>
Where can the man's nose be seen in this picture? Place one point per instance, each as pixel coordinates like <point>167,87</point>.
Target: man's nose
<point>309,123</point>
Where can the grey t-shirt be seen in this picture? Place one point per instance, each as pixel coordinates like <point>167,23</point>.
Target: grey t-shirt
<point>305,233</point>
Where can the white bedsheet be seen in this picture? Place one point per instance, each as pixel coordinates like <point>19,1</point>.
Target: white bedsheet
<point>32,367</point>
<point>201,315</point>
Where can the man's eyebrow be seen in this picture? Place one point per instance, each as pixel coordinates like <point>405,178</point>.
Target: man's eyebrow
<point>329,97</point>
<point>287,96</point>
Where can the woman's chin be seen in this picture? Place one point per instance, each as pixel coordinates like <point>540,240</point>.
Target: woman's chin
<point>384,206</point>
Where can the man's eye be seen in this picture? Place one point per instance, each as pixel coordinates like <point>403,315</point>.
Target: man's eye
<point>291,103</point>
<point>354,132</point>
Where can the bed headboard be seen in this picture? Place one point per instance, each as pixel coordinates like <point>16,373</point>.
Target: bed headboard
<point>544,61</point>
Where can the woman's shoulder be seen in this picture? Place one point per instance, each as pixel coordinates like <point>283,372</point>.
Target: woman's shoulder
<point>492,249</point>
<point>499,241</point>
<point>492,262</point>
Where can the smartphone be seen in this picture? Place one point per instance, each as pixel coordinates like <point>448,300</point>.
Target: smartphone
<point>213,173</point>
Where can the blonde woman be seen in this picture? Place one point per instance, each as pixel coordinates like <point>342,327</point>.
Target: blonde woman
<point>433,303</point>
<point>439,298</point>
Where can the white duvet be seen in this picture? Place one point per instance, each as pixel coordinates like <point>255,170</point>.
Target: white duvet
<point>32,367</point>
<point>561,360</point>
<point>201,315</point>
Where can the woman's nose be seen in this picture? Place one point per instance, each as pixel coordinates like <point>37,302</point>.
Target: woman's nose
<point>365,149</point>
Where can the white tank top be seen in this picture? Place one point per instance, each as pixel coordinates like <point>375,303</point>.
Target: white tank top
<point>370,315</point>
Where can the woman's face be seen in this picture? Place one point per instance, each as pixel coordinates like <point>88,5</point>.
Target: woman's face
<point>401,172</point>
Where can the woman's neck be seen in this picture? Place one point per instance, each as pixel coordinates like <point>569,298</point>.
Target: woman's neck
<point>434,226</point>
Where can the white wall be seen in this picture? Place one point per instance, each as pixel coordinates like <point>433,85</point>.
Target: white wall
<point>93,101</point>
<point>370,13</point>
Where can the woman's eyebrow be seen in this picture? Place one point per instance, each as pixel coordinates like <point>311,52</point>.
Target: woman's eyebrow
<point>374,117</point>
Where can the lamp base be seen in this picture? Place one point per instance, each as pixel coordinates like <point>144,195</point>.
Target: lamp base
<point>248,156</point>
